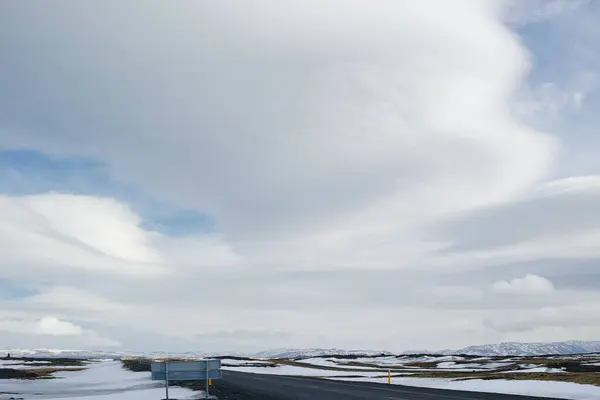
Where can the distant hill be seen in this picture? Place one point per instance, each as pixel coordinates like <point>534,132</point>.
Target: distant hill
<point>530,349</point>
<point>489,350</point>
<point>307,353</point>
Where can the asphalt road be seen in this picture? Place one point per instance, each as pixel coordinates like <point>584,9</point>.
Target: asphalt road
<point>247,386</point>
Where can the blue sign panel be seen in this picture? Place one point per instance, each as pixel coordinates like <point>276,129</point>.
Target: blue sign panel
<point>186,370</point>
<point>187,375</point>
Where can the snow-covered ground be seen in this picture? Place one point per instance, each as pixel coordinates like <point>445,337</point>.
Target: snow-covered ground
<point>322,362</point>
<point>237,362</point>
<point>325,362</point>
<point>472,366</point>
<point>302,371</point>
<point>383,362</point>
<point>400,360</point>
<point>535,369</point>
<point>564,390</point>
<point>446,363</point>
<point>105,380</point>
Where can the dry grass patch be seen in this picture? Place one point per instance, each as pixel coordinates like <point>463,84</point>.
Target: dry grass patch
<point>373,366</point>
<point>47,371</point>
<point>423,364</point>
<point>482,362</point>
<point>34,373</point>
<point>48,361</point>
<point>325,367</point>
<point>588,378</point>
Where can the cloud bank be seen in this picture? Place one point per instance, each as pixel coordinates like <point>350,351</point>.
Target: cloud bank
<point>364,166</point>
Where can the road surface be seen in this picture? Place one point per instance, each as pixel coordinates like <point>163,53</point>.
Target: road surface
<point>247,386</point>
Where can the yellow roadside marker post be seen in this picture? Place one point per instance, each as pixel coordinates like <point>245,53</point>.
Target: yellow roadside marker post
<point>389,376</point>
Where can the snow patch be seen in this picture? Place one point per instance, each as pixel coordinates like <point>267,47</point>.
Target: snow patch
<point>564,390</point>
<point>101,380</point>
<point>301,371</point>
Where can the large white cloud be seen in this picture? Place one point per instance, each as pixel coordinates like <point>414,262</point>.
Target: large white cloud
<point>330,141</point>
<point>323,122</point>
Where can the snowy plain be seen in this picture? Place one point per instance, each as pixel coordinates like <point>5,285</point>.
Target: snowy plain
<point>292,370</point>
<point>562,390</point>
<point>236,362</point>
<point>101,380</point>
<point>324,362</point>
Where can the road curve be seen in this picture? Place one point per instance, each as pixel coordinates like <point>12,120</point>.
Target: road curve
<point>248,386</point>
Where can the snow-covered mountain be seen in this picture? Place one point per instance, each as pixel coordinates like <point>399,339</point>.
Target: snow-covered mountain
<point>530,349</point>
<point>308,353</point>
<point>501,349</point>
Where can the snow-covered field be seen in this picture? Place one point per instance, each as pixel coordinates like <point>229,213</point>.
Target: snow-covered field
<point>535,369</point>
<point>302,371</point>
<point>101,380</point>
<point>106,379</point>
<point>237,362</point>
<point>472,366</point>
<point>324,362</point>
<point>564,390</point>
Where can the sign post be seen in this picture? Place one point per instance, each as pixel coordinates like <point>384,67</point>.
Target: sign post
<point>191,370</point>
<point>206,386</point>
<point>167,380</point>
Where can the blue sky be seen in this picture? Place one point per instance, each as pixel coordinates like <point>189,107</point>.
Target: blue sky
<point>213,183</point>
<point>29,172</point>
<point>13,290</point>
<point>564,52</point>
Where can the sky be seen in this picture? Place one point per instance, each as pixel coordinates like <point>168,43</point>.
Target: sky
<point>241,176</point>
